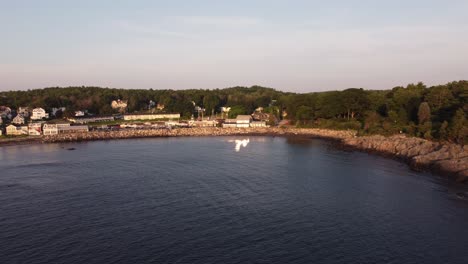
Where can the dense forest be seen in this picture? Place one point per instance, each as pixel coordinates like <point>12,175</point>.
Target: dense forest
<point>437,112</point>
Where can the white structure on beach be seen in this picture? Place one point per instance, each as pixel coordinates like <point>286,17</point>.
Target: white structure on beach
<point>150,116</point>
<point>258,124</point>
<point>67,129</point>
<point>84,120</point>
<point>49,129</point>
<point>39,113</point>
<point>34,129</point>
<point>243,121</point>
<point>12,130</point>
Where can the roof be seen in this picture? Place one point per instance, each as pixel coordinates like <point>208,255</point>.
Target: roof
<point>148,114</point>
<point>244,117</point>
<point>74,128</point>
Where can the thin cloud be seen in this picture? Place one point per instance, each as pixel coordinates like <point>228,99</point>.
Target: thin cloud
<point>219,21</point>
<point>151,29</point>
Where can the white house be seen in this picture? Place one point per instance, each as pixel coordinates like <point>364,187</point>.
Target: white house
<point>39,113</point>
<point>229,123</point>
<point>93,119</point>
<point>34,129</point>
<point>243,120</point>
<point>151,116</point>
<point>49,129</point>
<point>18,120</point>
<point>203,123</point>
<point>72,129</point>
<point>79,113</point>
<point>12,130</point>
<point>258,124</point>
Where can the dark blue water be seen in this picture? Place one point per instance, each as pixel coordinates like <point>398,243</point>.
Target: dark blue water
<point>197,200</point>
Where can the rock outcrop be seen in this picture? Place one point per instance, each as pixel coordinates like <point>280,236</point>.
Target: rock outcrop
<point>443,158</point>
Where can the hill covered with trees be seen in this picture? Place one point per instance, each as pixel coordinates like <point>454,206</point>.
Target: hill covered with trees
<point>437,112</point>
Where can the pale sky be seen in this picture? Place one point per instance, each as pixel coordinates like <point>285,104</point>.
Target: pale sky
<point>293,45</point>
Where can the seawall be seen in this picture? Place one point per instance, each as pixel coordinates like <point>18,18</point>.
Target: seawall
<point>447,159</point>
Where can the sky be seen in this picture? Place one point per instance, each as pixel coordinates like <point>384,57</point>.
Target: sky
<point>293,45</point>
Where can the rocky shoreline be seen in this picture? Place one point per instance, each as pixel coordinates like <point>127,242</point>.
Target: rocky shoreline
<point>442,158</point>
<point>446,159</point>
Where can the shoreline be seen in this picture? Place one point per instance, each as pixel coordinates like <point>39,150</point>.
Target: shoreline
<point>445,159</point>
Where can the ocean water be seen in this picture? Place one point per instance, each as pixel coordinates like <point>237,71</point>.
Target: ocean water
<point>223,200</point>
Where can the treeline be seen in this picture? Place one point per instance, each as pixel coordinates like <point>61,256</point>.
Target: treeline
<point>437,112</point>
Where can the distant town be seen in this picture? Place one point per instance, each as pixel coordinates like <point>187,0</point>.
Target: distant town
<point>436,113</point>
<point>25,121</point>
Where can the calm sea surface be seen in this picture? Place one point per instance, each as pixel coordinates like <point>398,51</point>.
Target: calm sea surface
<point>199,200</point>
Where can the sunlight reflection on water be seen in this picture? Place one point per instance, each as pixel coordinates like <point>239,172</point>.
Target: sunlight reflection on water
<point>240,143</point>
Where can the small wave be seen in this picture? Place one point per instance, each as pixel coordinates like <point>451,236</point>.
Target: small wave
<point>37,165</point>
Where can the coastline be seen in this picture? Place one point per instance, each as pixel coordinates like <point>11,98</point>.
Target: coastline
<point>446,159</point>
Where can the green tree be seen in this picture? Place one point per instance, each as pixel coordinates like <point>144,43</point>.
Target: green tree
<point>304,114</point>
<point>372,121</point>
<point>424,120</point>
<point>459,127</point>
<point>237,110</point>
<point>211,102</point>
<point>443,130</point>
<point>354,101</point>
<point>424,113</point>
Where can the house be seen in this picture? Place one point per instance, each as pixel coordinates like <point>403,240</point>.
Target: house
<point>39,113</point>
<point>260,116</point>
<point>229,123</point>
<point>243,120</point>
<point>49,129</point>
<point>18,120</point>
<point>119,104</point>
<point>94,119</point>
<point>203,123</point>
<point>258,124</point>
<point>79,113</point>
<point>12,130</point>
<point>175,124</point>
<point>24,130</point>
<point>150,116</point>
<point>23,111</point>
<point>34,129</point>
<point>67,129</point>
